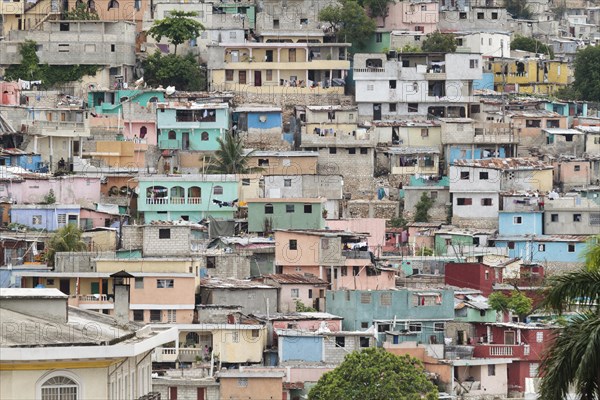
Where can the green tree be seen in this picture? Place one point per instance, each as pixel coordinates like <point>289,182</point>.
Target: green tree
<point>178,27</point>
<point>375,374</point>
<point>573,359</point>
<point>377,8</point>
<point>532,45</point>
<point>349,22</point>
<point>438,42</point>
<point>67,238</point>
<point>183,72</point>
<point>587,73</point>
<point>422,208</point>
<point>407,48</point>
<point>517,302</point>
<point>519,9</point>
<point>81,13</point>
<point>231,157</point>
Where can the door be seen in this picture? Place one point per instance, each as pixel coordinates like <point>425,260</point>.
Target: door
<point>257,78</point>
<point>72,219</point>
<point>95,288</point>
<point>173,393</point>
<point>292,55</point>
<point>65,286</point>
<point>235,56</point>
<point>242,77</point>
<point>185,140</point>
<point>200,394</point>
<point>377,111</point>
<point>269,56</point>
<point>509,337</point>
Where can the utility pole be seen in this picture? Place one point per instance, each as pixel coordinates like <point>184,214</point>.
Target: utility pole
<point>504,66</point>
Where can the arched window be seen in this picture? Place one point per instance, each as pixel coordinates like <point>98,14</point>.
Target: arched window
<point>143,132</point>
<point>58,385</point>
<point>194,195</point>
<point>91,5</point>
<point>153,99</point>
<point>268,208</point>
<point>113,4</point>
<point>204,136</point>
<point>218,190</point>
<point>172,135</point>
<point>192,338</point>
<point>157,195</point>
<point>177,195</point>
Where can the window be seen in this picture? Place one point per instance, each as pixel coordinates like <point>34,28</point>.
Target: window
<point>364,150</point>
<point>139,283</point>
<point>303,21</point>
<point>541,247</point>
<point>392,84</point>
<point>365,298</point>
<point>539,337</point>
<point>164,283</point>
<point>473,64</point>
<point>533,369</point>
<point>378,37</point>
<point>243,382</point>
<point>438,327</point>
<point>413,107</point>
<point>164,233</point>
<point>464,201</point>
<point>263,162</point>
<point>138,315</point>
<point>332,150</point>
<point>492,370</point>
<point>511,245</point>
<point>554,217</point>
<point>363,325</point>
<point>464,175</point>
<point>113,48</point>
<point>155,315</point>
<point>494,15</point>
<point>462,15</point>
<point>310,293</point>
<point>63,48</point>
<point>486,202</point>
<point>340,341</point>
<point>484,176</point>
<point>415,327</point>
<point>355,270</point>
<point>268,208</point>
<point>351,150</point>
<point>517,220</point>
<point>61,218</point>
<point>235,337</point>
<point>229,75</point>
<point>392,107</point>
<point>36,220</point>
<point>370,88</point>
<point>576,217</point>
<point>60,388</point>
<point>171,316</point>
<point>480,15</point>
<point>364,342</point>
<point>571,248</point>
<point>218,190</point>
<point>577,168</point>
<point>287,182</point>
<point>308,209</point>
<point>211,262</point>
<point>293,244</point>
<point>275,24</point>
<point>424,132</point>
<point>533,123</point>
<point>594,219</point>
<point>269,75</point>
<point>245,182</point>
<point>295,293</point>
<point>386,299</point>
<point>289,208</point>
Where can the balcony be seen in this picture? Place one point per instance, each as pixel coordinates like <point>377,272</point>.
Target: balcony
<point>435,76</point>
<point>170,354</point>
<point>501,351</point>
<point>169,144</point>
<point>56,128</point>
<point>173,200</point>
<point>92,301</point>
<point>157,200</point>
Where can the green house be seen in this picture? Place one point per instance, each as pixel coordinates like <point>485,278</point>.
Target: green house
<point>293,213</point>
<point>111,101</point>
<point>189,197</point>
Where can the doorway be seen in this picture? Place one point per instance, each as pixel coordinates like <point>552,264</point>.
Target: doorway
<point>257,78</point>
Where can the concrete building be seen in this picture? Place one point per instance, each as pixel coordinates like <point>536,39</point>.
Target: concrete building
<point>254,297</point>
<point>256,385</point>
<point>487,43</point>
<point>284,162</point>
<point>112,364</point>
<point>415,85</point>
<point>571,215</point>
<point>266,215</point>
<point>297,288</point>
<point>530,75</point>
<point>420,16</point>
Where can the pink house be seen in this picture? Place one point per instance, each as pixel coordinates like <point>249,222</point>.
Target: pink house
<point>297,288</point>
<point>91,218</point>
<point>73,189</point>
<point>9,93</point>
<point>328,254</point>
<point>375,227</point>
<point>420,16</point>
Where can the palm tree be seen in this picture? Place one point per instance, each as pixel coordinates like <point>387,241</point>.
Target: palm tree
<point>67,238</point>
<point>231,158</point>
<point>573,360</point>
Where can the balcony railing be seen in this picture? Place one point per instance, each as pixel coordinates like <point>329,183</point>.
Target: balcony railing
<point>194,200</point>
<point>93,298</point>
<point>174,200</point>
<point>177,200</point>
<point>157,200</point>
<point>170,144</point>
<point>501,350</point>
<point>369,69</point>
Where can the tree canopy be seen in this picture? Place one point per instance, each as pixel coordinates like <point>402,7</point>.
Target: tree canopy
<point>377,8</point>
<point>573,359</point>
<point>183,72</point>
<point>587,73</point>
<point>178,27</point>
<point>67,238</point>
<point>230,157</point>
<point>519,9</point>
<point>439,42</point>
<point>349,22</point>
<point>532,45</point>
<point>422,208</point>
<point>375,374</point>
<point>517,302</point>
<point>81,13</point>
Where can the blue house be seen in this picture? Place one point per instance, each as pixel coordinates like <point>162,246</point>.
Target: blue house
<point>49,217</point>
<point>20,158</point>
<point>412,315</point>
<point>191,126</point>
<point>512,223</point>
<point>187,197</point>
<point>545,248</point>
<point>257,120</point>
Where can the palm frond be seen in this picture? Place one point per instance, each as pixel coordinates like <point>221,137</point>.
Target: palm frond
<point>582,287</point>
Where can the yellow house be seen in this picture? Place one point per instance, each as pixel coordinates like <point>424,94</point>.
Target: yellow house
<point>120,153</point>
<point>276,68</point>
<point>530,76</point>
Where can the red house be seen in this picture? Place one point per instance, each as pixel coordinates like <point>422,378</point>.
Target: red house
<point>476,276</point>
<point>524,343</point>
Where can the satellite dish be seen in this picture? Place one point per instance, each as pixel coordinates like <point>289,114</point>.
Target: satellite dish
<point>170,90</point>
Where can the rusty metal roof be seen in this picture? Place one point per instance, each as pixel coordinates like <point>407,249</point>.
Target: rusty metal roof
<point>297,279</point>
<point>504,164</point>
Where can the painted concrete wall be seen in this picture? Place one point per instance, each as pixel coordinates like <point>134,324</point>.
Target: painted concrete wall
<point>520,223</point>
<point>282,219</point>
<point>301,348</point>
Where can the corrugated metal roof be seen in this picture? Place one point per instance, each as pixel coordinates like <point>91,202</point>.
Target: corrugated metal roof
<point>412,150</point>
<point>296,278</point>
<point>229,283</point>
<point>504,163</point>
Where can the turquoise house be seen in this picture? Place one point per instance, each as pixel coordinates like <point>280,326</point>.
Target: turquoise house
<point>111,101</point>
<point>187,197</point>
<point>545,248</point>
<point>191,126</point>
<point>409,315</point>
<point>520,222</point>
<point>293,213</point>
